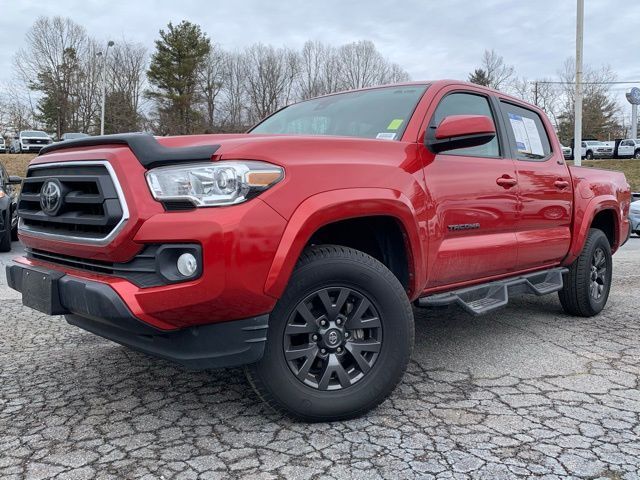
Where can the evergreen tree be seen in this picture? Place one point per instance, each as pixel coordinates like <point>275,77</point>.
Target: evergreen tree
<point>174,71</point>
<point>479,77</point>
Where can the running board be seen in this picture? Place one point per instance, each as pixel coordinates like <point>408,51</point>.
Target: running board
<point>481,299</point>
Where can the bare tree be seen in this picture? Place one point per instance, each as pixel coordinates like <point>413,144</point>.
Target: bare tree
<point>17,110</point>
<point>233,101</point>
<point>493,73</point>
<point>361,65</point>
<point>600,111</point>
<point>125,86</point>
<point>211,79</point>
<point>318,72</point>
<point>270,74</point>
<point>543,93</point>
<point>51,64</point>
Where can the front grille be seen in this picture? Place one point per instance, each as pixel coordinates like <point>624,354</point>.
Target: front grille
<point>91,205</point>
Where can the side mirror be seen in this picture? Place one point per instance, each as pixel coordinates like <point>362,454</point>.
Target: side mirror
<point>461,131</point>
<point>14,180</point>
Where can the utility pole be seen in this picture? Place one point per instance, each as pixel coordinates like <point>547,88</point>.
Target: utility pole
<point>104,84</point>
<point>577,131</point>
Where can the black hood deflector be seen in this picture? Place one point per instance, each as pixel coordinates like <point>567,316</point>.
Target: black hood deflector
<point>149,152</point>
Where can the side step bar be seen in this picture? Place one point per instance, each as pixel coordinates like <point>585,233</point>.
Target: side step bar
<point>481,299</point>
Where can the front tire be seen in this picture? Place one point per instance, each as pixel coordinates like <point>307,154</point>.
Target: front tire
<point>637,155</point>
<point>589,155</point>
<point>339,338</point>
<point>588,282</point>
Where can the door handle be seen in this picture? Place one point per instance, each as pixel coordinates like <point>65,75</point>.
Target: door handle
<point>561,184</point>
<point>506,181</point>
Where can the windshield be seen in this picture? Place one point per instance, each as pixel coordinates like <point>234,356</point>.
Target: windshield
<point>34,133</point>
<point>594,143</point>
<point>69,136</point>
<point>378,113</point>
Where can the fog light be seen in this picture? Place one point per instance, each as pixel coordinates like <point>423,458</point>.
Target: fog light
<point>187,264</point>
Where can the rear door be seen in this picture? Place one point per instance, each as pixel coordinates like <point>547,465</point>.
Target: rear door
<point>545,189</point>
<point>473,194</point>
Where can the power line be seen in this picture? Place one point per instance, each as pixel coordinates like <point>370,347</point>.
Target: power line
<point>585,83</point>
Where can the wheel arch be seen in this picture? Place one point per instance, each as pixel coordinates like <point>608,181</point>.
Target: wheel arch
<point>323,214</point>
<point>601,212</point>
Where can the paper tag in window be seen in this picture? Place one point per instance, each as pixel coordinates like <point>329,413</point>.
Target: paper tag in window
<point>395,124</point>
<point>386,136</point>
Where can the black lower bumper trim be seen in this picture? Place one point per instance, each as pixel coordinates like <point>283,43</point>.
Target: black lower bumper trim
<point>97,308</point>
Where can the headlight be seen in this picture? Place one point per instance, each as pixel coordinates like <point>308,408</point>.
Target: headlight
<point>213,184</point>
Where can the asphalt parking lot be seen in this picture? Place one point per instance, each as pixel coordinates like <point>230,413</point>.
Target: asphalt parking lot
<point>524,392</point>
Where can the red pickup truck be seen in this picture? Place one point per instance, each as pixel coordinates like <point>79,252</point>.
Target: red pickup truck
<point>298,249</point>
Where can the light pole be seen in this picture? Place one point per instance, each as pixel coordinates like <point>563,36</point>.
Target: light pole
<point>110,44</point>
<point>577,131</point>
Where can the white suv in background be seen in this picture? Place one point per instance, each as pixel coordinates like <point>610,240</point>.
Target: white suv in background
<point>3,146</point>
<point>629,148</point>
<point>30,141</point>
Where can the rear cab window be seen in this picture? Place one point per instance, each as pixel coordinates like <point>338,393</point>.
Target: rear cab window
<point>527,135</point>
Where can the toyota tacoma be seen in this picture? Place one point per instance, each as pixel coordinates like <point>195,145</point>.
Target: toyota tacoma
<point>298,248</point>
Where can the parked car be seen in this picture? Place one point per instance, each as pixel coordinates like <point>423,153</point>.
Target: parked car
<point>30,141</point>
<point>629,148</point>
<point>8,209</point>
<point>566,152</point>
<point>634,217</point>
<point>73,136</point>
<point>297,249</point>
<point>3,145</point>
<point>595,149</point>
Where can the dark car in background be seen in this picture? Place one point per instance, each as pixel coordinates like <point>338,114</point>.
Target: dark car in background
<point>8,209</point>
<point>73,136</point>
<point>30,141</point>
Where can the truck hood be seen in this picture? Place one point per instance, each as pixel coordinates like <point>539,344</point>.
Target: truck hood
<point>297,149</point>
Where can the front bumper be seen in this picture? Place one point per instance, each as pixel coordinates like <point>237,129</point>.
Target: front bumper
<point>33,148</point>
<point>97,308</point>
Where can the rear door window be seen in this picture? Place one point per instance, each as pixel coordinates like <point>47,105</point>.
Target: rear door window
<point>526,131</point>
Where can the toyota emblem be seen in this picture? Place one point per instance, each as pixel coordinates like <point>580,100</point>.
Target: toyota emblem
<point>51,197</point>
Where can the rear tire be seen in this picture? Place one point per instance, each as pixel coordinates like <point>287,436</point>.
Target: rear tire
<point>5,235</point>
<point>352,318</point>
<point>588,282</point>
<point>637,155</point>
<point>589,156</point>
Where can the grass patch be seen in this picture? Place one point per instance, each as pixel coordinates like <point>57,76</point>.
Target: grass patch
<point>630,168</point>
<point>16,163</point>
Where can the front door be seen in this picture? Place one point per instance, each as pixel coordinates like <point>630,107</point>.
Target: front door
<point>473,193</point>
<point>545,189</point>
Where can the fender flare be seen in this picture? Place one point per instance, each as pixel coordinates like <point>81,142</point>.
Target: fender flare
<point>335,205</point>
<point>583,220</point>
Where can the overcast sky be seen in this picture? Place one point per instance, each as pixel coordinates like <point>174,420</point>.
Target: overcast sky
<point>430,39</point>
